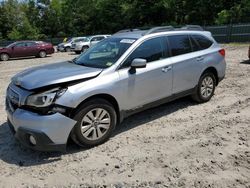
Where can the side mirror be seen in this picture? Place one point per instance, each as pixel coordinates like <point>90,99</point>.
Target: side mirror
<point>138,63</point>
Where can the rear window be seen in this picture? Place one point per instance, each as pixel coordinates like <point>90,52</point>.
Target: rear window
<point>203,42</point>
<point>179,44</point>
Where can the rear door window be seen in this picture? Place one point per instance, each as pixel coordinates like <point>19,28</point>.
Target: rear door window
<point>203,41</point>
<point>195,45</point>
<point>30,44</point>
<point>179,44</point>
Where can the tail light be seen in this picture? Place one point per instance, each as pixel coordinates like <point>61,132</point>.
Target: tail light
<point>222,52</point>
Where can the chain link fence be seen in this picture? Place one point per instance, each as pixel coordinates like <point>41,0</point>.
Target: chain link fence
<point>230,33</point>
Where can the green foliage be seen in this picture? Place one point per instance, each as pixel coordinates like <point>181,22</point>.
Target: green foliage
<point>24,30</point>
<point>15,35</point>
<point>238,13</point>
<point>224,17</point>
<point>1,36</point>
<point>61,18</point>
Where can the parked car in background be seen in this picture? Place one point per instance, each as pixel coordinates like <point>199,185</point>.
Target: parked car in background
<point>65,46</point>
<point>83,45</point>
<point>128,72</point>
<point>26,49</point>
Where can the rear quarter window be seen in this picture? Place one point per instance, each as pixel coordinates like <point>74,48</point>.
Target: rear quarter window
<point>202,41</point>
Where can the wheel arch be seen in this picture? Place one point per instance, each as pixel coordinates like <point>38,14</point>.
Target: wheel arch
<point>5,53</point>
<point>106,97</point>
<point>43,49</point>
<point>214,71</point>
<point>85,46</point>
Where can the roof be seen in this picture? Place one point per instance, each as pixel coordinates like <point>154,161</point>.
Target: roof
<point>137,33</point>
<point>130,34</point>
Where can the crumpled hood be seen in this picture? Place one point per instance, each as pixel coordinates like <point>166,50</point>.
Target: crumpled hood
<point>53,74</point>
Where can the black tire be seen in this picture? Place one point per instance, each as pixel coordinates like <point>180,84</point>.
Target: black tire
<point>42,54</point>
<point>67,49</point>
<point>4,57</point>
<point>76,133</point>
<point>77,52</point>
<point>198,96</point>
<point>84,48</point>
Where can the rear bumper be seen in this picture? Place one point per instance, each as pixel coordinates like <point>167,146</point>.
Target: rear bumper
<point>51,132</point>
<point>50,51</point>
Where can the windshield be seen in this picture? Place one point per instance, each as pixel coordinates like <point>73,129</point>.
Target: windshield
<point>105,53</point>
<point>10,45</point>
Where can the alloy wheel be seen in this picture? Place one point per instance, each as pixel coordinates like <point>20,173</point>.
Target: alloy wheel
<point>95,124</point>
<point>207,87</point>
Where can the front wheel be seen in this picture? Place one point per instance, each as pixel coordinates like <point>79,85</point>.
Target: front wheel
<point>67,49</point>
<point>4,57</point>
<point>205,88</point>
<point>96,120</point>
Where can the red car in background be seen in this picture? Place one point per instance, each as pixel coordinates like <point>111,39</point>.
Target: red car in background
<point>249,52</point>
<point>26,49</point>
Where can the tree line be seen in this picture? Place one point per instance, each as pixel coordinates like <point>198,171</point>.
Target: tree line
<point>30,19</point>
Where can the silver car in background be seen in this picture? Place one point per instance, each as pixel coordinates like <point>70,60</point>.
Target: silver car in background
<point>83,45</point>
<point>66,46</point>
<point>84,99</point>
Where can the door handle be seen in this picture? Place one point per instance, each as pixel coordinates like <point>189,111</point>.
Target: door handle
<point>200,58</point>
<point>166,69</point>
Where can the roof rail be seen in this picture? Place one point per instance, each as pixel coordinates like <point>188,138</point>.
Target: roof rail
<point>192,27</point>
<point>164,29</point>
<point>127,30</point>
<point>159,29</point>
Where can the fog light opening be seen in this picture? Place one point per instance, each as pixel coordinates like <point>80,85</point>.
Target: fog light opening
<point>32,140</point>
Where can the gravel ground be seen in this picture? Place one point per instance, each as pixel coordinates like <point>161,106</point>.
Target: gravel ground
<point>180,144</point>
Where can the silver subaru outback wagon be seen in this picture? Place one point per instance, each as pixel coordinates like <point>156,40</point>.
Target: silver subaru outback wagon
<point>84,99</point>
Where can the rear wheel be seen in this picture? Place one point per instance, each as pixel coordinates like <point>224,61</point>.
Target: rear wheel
<point>205,88</point>
<point>96,120</point>
<point>4,57</point>
<point>42,54</point>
